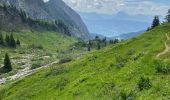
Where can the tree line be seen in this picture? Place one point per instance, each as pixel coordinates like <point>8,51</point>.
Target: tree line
<point>96,43</point>
<point>99,43</point>
<point>156,20</point>
<point>9,41</point>
<point>56,25</point>
<point>53,25</point>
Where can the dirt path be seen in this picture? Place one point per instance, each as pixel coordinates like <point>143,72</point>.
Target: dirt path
<point>24,72</point>
<point>167,48</point>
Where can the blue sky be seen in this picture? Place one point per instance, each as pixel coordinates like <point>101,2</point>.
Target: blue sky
<point>132,7</point>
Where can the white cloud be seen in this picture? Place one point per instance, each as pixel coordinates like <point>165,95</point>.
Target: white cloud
<point>146,7</point>
<point>45,0</point>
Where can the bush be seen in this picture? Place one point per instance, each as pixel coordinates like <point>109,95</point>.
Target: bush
<point>36,46</point>
<point>120,61</point>
<point>56,71</point>
<point>65,60</point>
<point>144,83</point>
<point>62,83</point>
<point>162,68</point>
<point>124,96</point>
<point>36,65</point>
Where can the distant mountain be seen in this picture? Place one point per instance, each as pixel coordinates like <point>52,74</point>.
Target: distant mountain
<point>12,19</point>
<point>93,35</point>
<point>52,10</point>
<point>129,35</point>
<point>115,25</point>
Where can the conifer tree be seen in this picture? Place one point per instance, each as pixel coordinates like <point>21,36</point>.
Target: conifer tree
<point>12,42</point>
<point>98,46</point>
<point>7,40</point>
<point>104,41</point>
<point>89,48</point>
<point>7,63</point>
<point>156,22</point>
<point>168,16</point>
<point>18,42</point>
<point>1,40</point>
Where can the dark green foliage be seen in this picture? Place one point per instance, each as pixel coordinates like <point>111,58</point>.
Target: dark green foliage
<point>120,61</point>
<point>56,71</point>
<point>62,83</point>
<point>116,41</point>
<point>148,29</point>
<point>97,39</point>
<point>144,83</point>
<point>162,67</point>
<point>1,40</point>
<point>23,16</point>
<point>36,64</point>
<point>98,46</point>
<point>12,42</point>
<point>95,43</point>
<point>155,22</point>
<point>7,40</point>
<point>104,41</point>
<point>89,48</point>
<point>65,60</point>
<point>57,25</point>
<point>89,45</point>
<point>124,96</point>
<point>62,27</point>
<point>168,16</point>
<point>35,46</point>
<point>18,42</point>
<point>7,64</point>
<point>5,7</point>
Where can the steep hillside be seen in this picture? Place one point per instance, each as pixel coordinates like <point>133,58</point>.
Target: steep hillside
<point>13,19</point>
<point>52,10</point>
<point>41,42</point>
<point>128,70</point>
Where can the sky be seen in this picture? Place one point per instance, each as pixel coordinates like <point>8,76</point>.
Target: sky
<point>132,7</point>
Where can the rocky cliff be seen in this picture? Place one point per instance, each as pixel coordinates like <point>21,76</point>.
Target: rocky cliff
<point>52,10</point>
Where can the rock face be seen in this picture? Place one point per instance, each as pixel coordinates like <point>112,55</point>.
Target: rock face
<point>52,10</point>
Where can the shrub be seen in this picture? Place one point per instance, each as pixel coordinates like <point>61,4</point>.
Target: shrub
<point>162,68</point>
<point>144,83</point>
<point>36,65</point>
<point>120,61</point>
<point>107,88</point>
<point>36,46</point>
<point>65,60</point>
<point>62,83</point>
<point>56,71</point>
<point>125,96</point>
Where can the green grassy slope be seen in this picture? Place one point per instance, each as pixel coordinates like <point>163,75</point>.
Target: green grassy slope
<point>108,74</point>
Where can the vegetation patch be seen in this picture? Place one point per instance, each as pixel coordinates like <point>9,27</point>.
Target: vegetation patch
<point>65,60</point>
<point>56,71</point>
<point>144,83</point>
<point>62,83</point>
<point>36,64</point>
<point>162,67</point>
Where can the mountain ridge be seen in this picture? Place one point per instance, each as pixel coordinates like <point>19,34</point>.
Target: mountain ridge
<point>52,10</point>
<point>114,25</point>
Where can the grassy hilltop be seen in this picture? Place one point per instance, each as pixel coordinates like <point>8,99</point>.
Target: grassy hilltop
<point>127,70</point>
